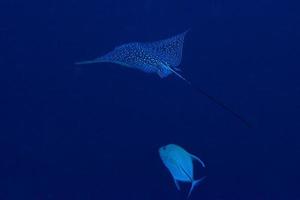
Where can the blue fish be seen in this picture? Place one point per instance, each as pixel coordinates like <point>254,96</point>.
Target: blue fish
<point>180,164</point>
<point>161,57</point>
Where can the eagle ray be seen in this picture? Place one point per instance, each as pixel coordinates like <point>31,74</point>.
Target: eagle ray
<point>161,57</point>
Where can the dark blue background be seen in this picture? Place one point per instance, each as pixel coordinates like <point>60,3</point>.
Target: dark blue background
<point>92,132</point>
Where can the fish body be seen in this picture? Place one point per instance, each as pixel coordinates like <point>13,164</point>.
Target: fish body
<point>179,162</point>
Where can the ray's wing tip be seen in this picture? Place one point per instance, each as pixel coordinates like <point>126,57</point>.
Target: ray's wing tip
<point>77,63</point>
<point>87,62</point>
<point>186,31</point>
<point>80,63</point>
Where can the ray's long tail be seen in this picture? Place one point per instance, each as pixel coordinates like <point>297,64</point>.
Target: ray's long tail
<point>216,101</point>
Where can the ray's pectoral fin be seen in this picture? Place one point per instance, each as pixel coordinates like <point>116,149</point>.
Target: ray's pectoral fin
<point>97,60</point>
<point>198,159</point>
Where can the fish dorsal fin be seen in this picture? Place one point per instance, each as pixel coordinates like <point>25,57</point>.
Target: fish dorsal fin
<point>168,50</point>
<point>198,159</point>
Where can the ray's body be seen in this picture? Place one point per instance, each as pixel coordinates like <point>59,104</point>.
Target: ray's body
<point>161,57</point>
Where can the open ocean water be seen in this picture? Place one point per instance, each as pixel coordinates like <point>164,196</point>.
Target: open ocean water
<point>92,132</point>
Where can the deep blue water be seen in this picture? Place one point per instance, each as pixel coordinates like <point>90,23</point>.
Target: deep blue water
<point>93,132</point>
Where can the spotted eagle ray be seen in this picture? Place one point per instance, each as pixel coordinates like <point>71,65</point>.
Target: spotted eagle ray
<point>161,57</point>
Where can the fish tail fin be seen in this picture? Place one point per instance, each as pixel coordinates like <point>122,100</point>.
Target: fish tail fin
<point>88,62</point>
<point>194,184</point>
